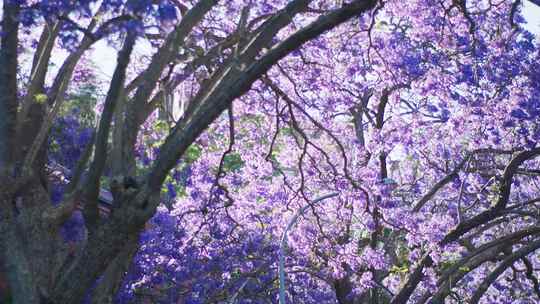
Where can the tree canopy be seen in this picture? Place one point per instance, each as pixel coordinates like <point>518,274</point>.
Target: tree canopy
<point>329,151</point>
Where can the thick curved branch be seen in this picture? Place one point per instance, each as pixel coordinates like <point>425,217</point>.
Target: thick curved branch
<point>91,212</point>
<point>149,78</point>
<point>244,54</point>
<point>511,259</point>
<point>506,183</point>
<point>40,65</point>
<point>56,97</point>
<point>484,253</point>
<point>229,89</point>
<point>502,201</point>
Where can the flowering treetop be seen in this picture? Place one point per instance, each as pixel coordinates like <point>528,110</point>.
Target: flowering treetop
<point>421,115</point>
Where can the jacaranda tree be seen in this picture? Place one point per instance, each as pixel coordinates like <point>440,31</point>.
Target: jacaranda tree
<point>420,117</point>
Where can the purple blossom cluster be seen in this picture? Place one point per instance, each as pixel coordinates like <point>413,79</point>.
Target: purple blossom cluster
<point>423,117</point>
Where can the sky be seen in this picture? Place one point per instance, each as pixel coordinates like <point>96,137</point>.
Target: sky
<point>531,13</point>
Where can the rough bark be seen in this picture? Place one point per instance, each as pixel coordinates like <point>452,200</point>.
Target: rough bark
<point>114,275</point>
<point>8,81</point>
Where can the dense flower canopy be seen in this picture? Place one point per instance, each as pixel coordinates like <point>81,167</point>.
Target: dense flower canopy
<point>423,117</point>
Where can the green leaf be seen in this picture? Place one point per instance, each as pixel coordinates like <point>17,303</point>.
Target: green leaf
<point>40,98</point>
<point>387,232</point>
<point>399,269</point>
<point>161,125</point>
<point>464,269</point>
<point>192,154</point>
<point>233,162</point>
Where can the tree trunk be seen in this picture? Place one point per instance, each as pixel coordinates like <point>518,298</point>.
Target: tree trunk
<point>113,277</point>
<point>18,270</point>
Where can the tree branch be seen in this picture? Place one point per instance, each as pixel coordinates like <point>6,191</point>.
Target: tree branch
<point>229,89</point>
<point>522,252</point>
<point>39,68</point>
<point>8,80</point>
<point>165,54</point>
<point>414,278</point>
<point>92,186</point>
<point>504,194</point>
